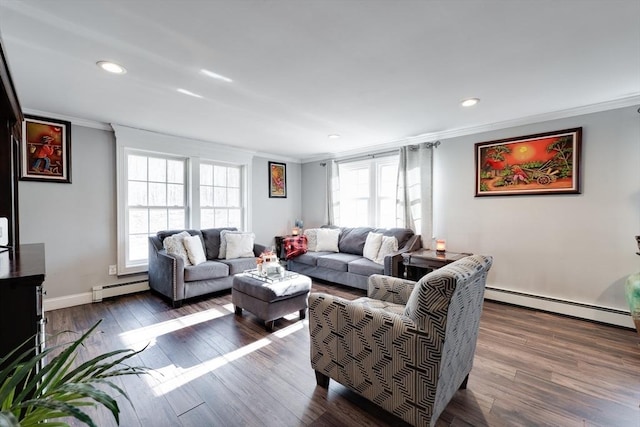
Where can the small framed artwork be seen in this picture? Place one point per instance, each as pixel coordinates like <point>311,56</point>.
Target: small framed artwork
<point>45,151</point>
<point>277,180</point>
<point>545,163</point>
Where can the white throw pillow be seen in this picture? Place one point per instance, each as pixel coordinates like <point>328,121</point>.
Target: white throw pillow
<point>372,246</point>
<point>389,245</point>
<point>195,250</point>
<point>312,239</point>
<point>240,245</point>
<point>174,245</point>
<point>328,240</point>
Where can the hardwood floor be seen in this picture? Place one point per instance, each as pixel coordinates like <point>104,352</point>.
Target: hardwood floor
<point>212,368</point>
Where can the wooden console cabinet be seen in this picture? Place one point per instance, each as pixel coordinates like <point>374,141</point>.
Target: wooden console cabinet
<point>22,272</point>
<point>420,262</point>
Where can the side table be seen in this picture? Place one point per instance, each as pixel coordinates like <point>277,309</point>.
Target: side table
<point>420,262</point>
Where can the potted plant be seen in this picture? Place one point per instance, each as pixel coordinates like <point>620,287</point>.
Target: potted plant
<point>31,396</point>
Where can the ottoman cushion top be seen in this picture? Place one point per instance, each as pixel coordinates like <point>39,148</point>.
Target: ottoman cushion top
<point>272,291</point>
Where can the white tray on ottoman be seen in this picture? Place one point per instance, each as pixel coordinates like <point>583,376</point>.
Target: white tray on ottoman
<point>270,298</point>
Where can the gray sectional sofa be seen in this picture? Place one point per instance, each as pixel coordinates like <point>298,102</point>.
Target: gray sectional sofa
<point>169,276</point>
<point>348,266</point>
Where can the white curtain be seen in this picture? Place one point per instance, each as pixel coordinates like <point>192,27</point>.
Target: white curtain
<point>333,193</point>
<point>414,193</point>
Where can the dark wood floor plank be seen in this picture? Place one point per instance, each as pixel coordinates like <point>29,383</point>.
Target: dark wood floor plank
<point>531,368</point>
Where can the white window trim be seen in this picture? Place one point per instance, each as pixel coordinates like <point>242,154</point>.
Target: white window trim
<point>244,189</point>
<point>194,150</point>
<point>373,165</point>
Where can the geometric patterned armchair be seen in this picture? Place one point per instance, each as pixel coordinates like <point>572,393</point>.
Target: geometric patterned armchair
<point>407,346</point>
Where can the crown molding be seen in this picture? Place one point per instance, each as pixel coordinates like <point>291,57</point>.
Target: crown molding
<point>74,120</point>
<point>627,101</point>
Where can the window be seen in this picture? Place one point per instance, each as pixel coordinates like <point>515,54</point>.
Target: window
<point>368,192</point>
<point>155,200</point>
<point>220,196</point>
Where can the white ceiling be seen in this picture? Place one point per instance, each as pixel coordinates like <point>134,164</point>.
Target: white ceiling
<point>375,72</point>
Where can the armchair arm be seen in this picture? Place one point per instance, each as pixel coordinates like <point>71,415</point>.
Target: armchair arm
<point>390,289</point>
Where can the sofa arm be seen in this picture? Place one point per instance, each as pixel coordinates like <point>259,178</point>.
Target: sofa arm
<point>393,265</point>
<point>166,275</point>
<point>390,289</point>
<point>258,249</point>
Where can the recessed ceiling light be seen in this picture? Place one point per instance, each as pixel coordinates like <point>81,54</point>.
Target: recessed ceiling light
<point>470,102</point>
<point>334,136</point>
<point>215,75</point>
<point>188,92</point>
<point>111,67</point>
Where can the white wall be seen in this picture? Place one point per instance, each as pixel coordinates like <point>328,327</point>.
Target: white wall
<point>577,248</point>
<point>314,194</point>
<point>274,216</point>
<point>77,221</point>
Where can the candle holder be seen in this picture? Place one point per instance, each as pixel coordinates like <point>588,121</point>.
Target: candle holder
<point>441,246</point>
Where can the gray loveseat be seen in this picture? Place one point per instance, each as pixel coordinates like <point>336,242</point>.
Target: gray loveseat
<point>348,266</point>
<point>169,276</point>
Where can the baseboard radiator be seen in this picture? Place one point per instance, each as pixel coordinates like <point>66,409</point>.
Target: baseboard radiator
<point>107,291</point>
<point>590,312</point>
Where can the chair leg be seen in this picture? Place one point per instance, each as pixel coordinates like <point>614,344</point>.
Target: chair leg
<point>303,314</point>
<point>268,325</point>
<point>463,386</point>
<point>322,380</point>
<point>238,311</point>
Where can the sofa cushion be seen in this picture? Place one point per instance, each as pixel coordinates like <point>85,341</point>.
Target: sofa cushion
<point>211,238</point>
<point>239,265</point>
<point>166,233</point>
<point>206,270</point>
<point>365,267</point>
<point>337,261</point>
<point>310,258</point>
<point>401,234</point>
<point>352,240</point>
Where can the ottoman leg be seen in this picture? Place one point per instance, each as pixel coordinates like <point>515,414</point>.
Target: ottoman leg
<point>268,325</point>
<point>238,311</point>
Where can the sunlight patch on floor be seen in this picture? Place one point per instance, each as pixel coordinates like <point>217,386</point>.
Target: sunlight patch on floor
<point>204,368</point>
<point>148,334</point>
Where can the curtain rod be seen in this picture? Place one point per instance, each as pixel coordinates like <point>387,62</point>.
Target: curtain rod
<point>386,153</point>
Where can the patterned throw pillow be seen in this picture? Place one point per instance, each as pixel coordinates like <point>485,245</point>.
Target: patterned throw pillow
<point>389,245</point>
<point>174,245</point>
<point>312,239</point>
<point>195,250</point>
<point>294,246</point>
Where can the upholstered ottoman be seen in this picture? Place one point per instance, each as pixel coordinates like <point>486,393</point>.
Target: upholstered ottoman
<point>270,301</point>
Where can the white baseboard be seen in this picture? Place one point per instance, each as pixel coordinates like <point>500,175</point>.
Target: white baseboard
<point>568,308</point>
<point>56,303</point>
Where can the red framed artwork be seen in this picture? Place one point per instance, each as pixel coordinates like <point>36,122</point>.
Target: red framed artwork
<point>45,150</point>
<point>545,163</point>
<point>277,180</point>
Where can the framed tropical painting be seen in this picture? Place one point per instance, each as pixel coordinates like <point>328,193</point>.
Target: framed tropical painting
<point>277,180</point>
<point>544,163</point>
<point>45,151</point>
